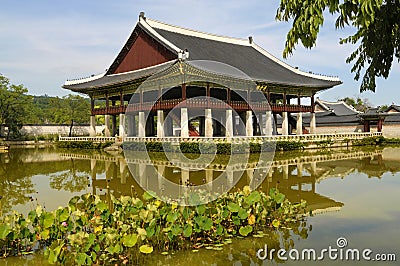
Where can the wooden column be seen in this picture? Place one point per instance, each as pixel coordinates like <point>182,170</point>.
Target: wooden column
<point>91,104</point>
<point>121,99</point>
<point>208,95</point>
<point>184,92</point>
<point>298,100</point>
<point>228,96</point>
<point>312,103</point>
<point>269,96</point>
<point>367,126</point>
<point>107,103</point>
<point>141,100</point>
<point>380,124</point>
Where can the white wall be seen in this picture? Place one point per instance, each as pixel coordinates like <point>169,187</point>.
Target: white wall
<point>63,130</point>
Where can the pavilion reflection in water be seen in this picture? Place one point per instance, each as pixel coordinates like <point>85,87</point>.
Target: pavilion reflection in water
<point>297,177</point>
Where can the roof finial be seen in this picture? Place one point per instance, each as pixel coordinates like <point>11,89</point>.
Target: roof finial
<point>250,39</point>
<point>141,15</point>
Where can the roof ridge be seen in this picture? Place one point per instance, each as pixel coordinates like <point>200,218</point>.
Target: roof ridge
<point>196,33</point>
<point>293,69</point>
<point>145,68</point>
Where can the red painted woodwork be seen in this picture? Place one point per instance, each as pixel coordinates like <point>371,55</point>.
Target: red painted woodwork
<point>201,103</point>
<point>145,52</point>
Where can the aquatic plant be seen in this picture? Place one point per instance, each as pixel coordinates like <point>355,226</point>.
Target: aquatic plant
<point>90,230</point>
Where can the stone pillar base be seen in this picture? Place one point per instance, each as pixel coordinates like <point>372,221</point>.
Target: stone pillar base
<point>92,129</point>
<point>107,132</point>
<point>208,132</point>
<point>299,124</point>
<point>285,123</point>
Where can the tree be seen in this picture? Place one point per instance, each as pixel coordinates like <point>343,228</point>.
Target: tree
<point>77,109</point>
<point>378,32</point>
<point>358,103</point>
<point>14,104</point>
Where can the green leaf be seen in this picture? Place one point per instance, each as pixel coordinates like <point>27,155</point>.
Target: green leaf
<point>207,224</point>
<point>176,230</point>
<point>53,254</point>
<point>48,219</point>
<point>4,231</point>
<point>129,240</point>
<point>220,230</point>
<point>279,198</point>
<point>187,230</point>
<point>245,230</point>
<point>243,214</point>
<point>253,197</point>
<point>233,207</point>
<point>150,231</point>
<point>32,215</point>
<point>276,223</point>
<point>146,249</point>
<point>102,206</point>
<point>200,209</point>
<point>64,215</point>
<point>148,195</point>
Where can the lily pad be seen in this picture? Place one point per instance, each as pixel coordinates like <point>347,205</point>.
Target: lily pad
<point>146,249</point>
<point>245,230</point>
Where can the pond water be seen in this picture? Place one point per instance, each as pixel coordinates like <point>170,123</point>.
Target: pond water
<point>354,193</point>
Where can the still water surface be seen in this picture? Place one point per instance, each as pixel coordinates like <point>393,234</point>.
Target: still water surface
<point>354,194</point>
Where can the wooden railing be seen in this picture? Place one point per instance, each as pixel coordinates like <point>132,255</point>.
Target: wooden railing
<point>93,139</point>
<point>201,103</point>
<point>112,110</point>
<point>239,139</point>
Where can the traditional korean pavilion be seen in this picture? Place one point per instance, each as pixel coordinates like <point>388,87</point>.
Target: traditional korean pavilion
<point>173,53</point>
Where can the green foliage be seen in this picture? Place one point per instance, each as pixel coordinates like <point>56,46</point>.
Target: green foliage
<point>91,231</point>
<point>203,148</point>
<point>369,141</point>
<point>56,110</point>
<point>358,103</point>
<point>83,144</point>
<point>289,145</point>
<point>377,31</point>
<point>14,105</point>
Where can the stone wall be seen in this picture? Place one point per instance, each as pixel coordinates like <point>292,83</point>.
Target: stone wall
<point>63,130</point>
<point>391,130</point>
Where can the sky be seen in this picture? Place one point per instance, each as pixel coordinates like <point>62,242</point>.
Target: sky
<point>45,42</point>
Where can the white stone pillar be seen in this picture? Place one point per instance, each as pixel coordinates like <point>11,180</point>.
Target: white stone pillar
<point>160,124</point>
<point>228,124</point>
<point>185,174</point>
<point>250,176</point>
<point>208,132</point>
<point>299,124</point>
<point>299,169</point>
<point>268,123</point>
<point>160,176</point>
<point>130,125</point>
<point>122,170</point>
<point>285,123</point>
<point>209,177</point>
<point>313,124</point>
<point>249,123</point>
<point>122,125</point>
<point>184,123</point>
<point>229,176</point>
<point>142,125</point>
<point>285,171</point>
<point>142,175</point>
<point>107,132</point>
<point>92,128</point>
